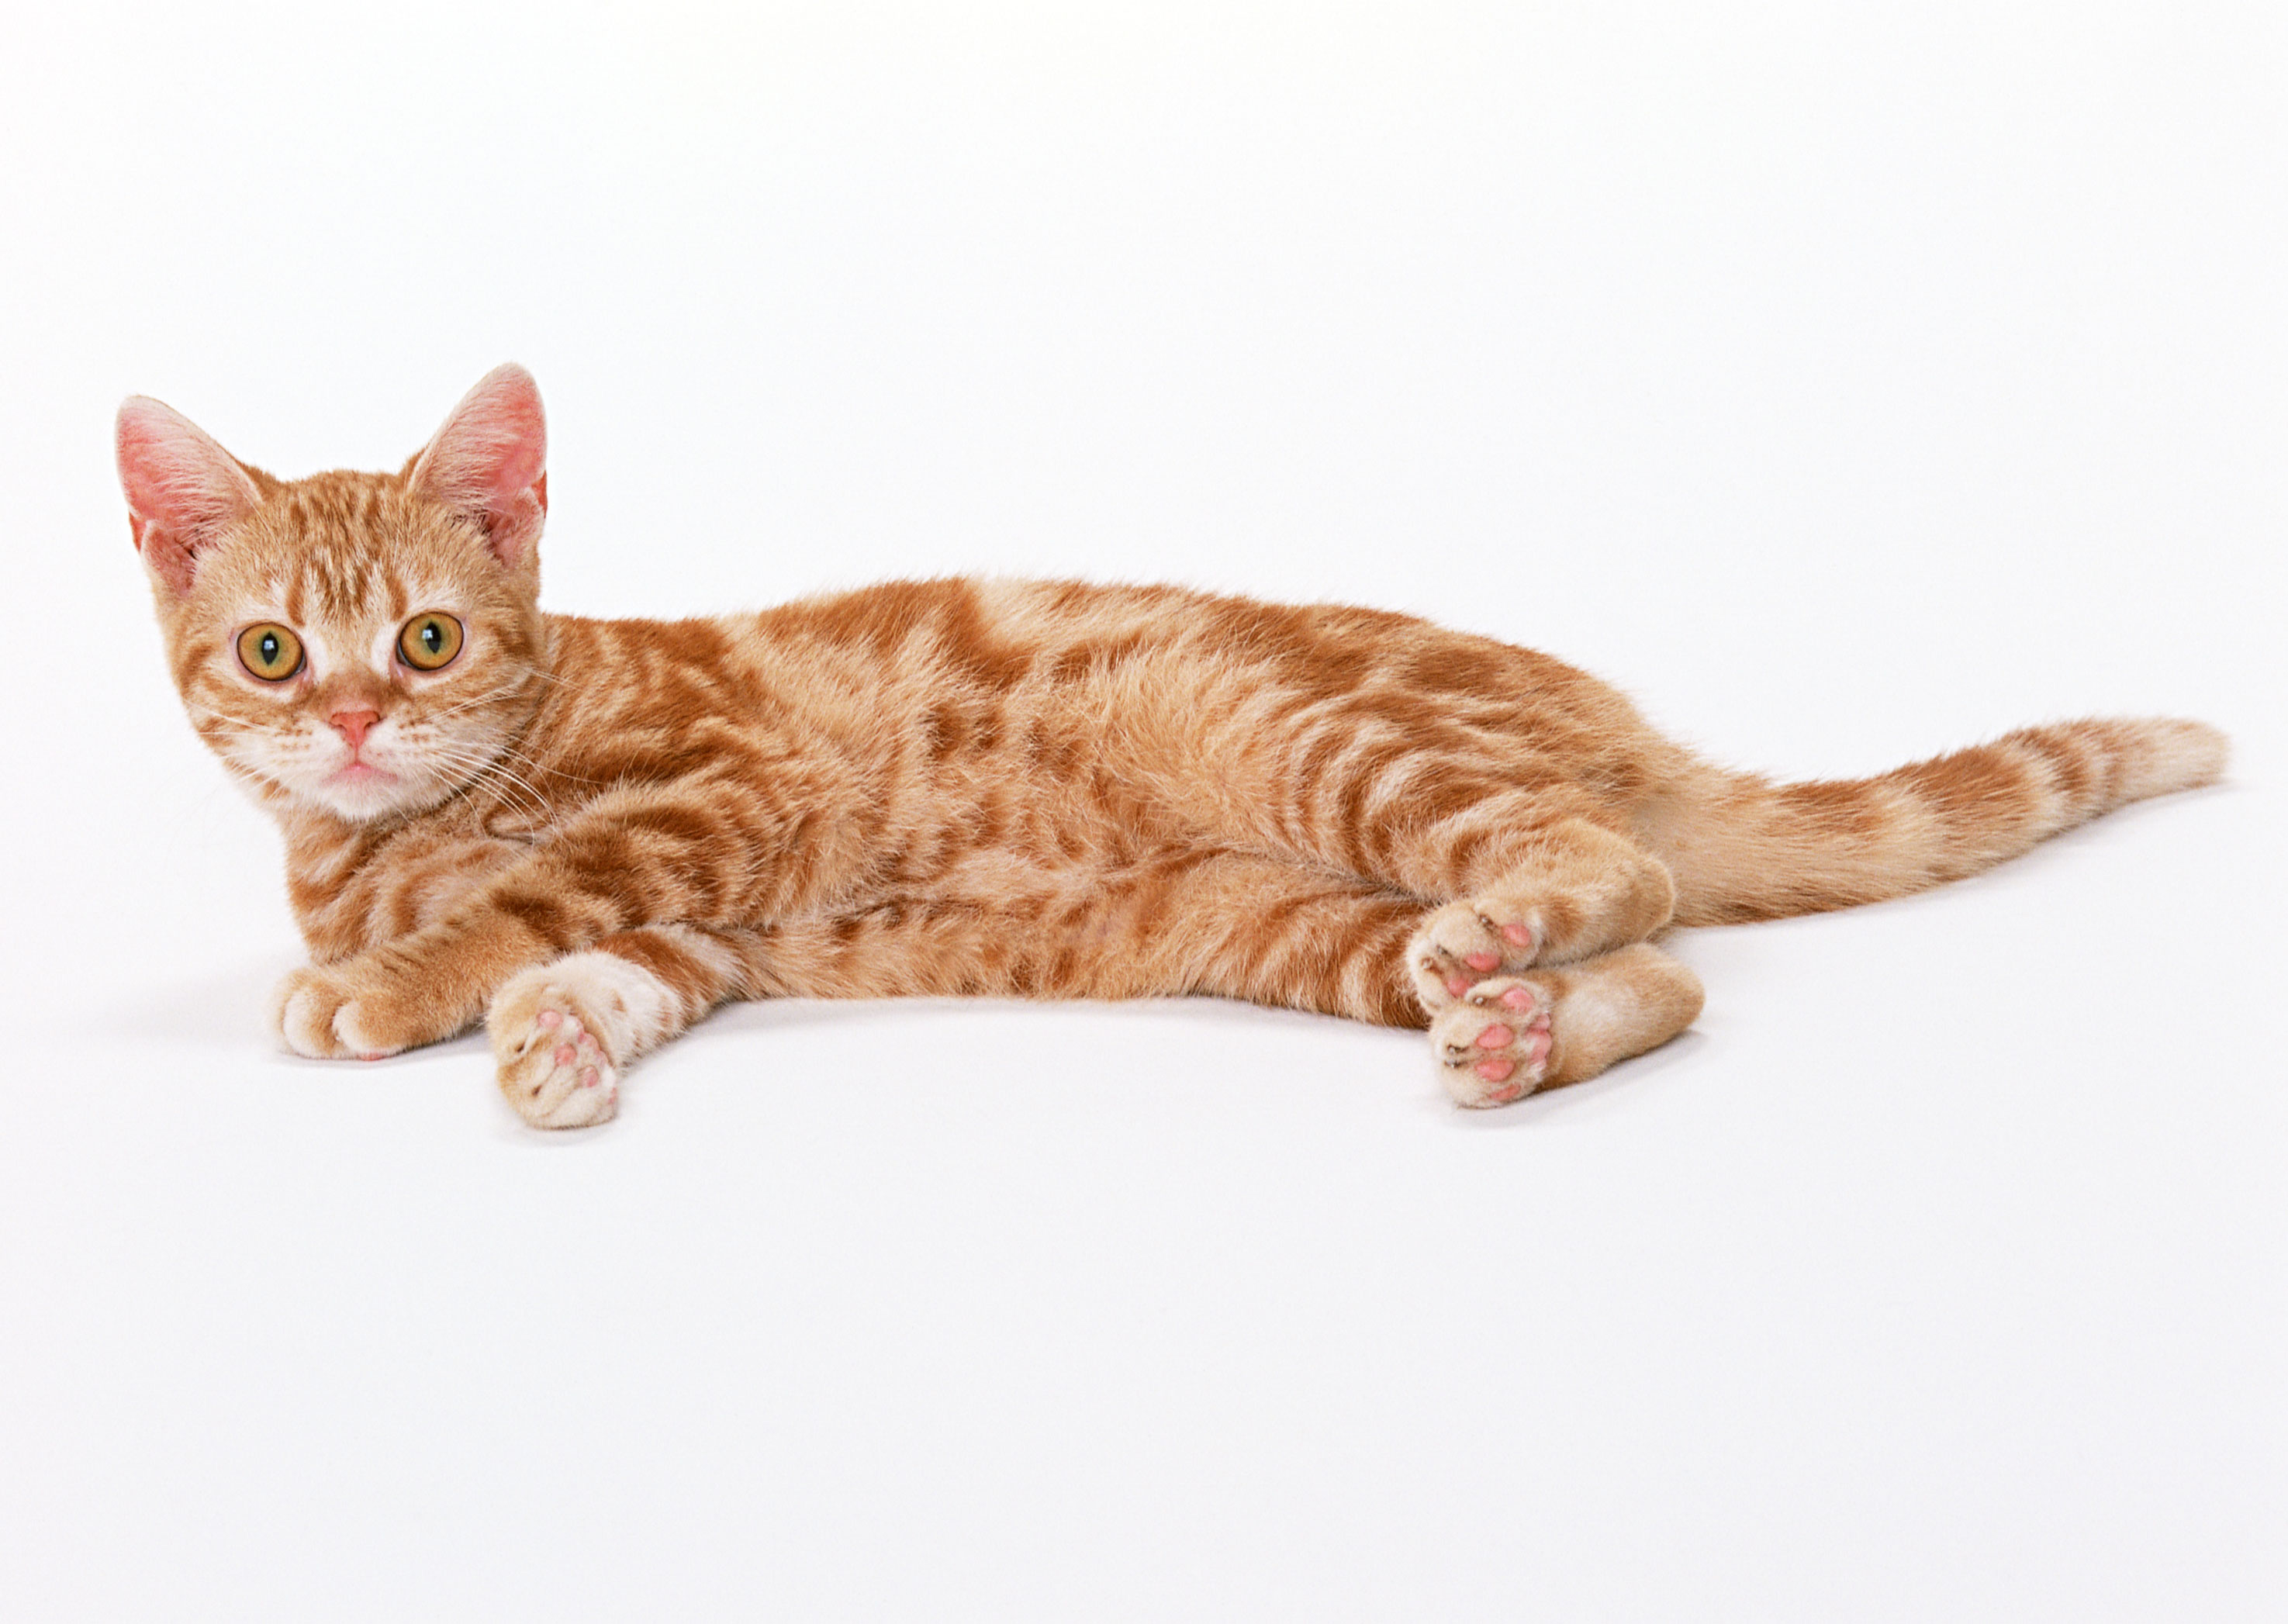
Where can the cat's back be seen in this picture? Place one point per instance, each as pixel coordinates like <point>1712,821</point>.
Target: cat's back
<point>957,669</point>
<point>1045,638</point>
<point>839,661</point>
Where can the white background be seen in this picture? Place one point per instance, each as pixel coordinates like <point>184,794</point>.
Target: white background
<point>1846,381</point>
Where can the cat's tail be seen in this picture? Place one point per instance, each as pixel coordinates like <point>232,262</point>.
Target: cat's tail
<point>1742,848</point>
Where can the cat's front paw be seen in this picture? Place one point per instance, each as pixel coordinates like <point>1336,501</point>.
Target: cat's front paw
<point>1494,1045</point>
<point>1459,945</point>
<point>339,1012</point>
<point>563,1032</point>
<point>552,1070</point>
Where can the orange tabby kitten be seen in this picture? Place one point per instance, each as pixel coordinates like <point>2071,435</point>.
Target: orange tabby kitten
<point>588,833</point>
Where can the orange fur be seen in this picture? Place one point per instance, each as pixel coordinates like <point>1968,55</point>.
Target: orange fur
<point>600,829</point>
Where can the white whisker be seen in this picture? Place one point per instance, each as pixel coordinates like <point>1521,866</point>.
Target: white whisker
<point>486,772</point>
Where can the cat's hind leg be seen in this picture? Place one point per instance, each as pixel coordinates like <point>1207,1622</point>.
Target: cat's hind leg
<point>1510,1035</point>
<point>1524,867</point>
<point>1567,893</point>
<point>566,1032</point>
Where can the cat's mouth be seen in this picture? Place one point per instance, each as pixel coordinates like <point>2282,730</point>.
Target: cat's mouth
<point>375,777</point>
<point>359,788</point>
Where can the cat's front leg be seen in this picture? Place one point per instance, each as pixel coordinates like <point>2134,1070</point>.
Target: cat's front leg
<point>715,854</point>
<point>374,1004</point>
<point>628,992</point>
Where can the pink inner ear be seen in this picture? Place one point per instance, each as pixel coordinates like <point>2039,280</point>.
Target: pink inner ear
<point>182,489</point>
<point>490,460</point>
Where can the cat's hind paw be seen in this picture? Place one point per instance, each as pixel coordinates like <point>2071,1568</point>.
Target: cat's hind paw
<point>563,1032</point>
<point>1493,1045</point>
<point>1459,945</point>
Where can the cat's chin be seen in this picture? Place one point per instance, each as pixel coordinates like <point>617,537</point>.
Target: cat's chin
<point>363,794</point>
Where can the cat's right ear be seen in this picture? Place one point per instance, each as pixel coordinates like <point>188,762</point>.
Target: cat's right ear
<point>183,489</point>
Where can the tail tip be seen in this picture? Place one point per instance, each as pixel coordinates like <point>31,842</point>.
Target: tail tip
<point>2173,753</point>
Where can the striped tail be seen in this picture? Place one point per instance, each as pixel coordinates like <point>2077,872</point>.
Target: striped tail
<point>1742,848</point>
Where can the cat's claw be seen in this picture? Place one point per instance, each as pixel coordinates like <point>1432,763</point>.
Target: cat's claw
<point>1461,944</point>
<point>1493,1045</point>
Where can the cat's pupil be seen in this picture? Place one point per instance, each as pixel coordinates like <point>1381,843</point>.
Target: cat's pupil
<point>269,648</point>
<point>433,636</point>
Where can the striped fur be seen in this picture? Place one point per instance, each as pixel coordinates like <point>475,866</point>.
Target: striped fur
<point>598,830</point>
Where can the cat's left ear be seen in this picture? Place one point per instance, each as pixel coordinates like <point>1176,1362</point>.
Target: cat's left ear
<point>490,462</point>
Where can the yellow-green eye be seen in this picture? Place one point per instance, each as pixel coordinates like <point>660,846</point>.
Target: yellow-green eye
<point>270,652</point>
<point>429,641</point>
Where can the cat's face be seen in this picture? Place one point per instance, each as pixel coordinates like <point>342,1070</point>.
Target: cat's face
<point>363,645</point>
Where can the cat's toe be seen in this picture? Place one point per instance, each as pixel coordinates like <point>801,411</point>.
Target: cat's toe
<point>304,1021</point>
<point>1493,1045</point>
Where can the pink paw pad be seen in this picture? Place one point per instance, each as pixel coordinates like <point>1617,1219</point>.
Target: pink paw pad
<point>1517,935</point>
<point>563,1056</point>
<point>588,1077</point>
<point>551,1017</point>
<point>1499,1043</point>
<point>1482,962</point>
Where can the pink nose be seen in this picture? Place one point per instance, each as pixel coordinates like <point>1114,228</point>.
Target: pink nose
<point>351,724</point>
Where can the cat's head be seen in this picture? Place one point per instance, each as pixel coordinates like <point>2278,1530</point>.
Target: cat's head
<point>364,645</point>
